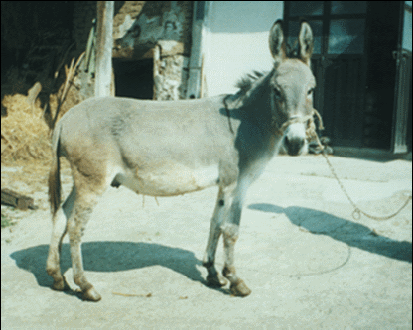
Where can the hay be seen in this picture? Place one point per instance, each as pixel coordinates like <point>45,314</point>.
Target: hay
<point>24,133</point>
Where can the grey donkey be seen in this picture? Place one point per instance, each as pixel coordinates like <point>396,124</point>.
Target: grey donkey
<point>168,148</point>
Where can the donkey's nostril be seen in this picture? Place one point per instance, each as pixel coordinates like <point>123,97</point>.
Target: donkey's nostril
<point>294,145</point>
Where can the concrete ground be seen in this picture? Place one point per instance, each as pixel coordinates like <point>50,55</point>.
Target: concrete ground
<point>309,264</point>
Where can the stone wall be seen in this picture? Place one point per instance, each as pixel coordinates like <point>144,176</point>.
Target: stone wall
<point>138,28</point>
<point>170,71</point>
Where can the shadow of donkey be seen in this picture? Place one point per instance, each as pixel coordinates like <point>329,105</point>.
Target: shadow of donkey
<point>351,233</point>
<point>108,256</point>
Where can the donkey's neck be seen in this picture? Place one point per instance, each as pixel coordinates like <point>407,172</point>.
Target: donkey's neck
<point>253,113</point>
<point>255,105</point>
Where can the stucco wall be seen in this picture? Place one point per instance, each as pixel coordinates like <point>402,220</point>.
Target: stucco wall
<point>138,25</point>
<point>237,41</point>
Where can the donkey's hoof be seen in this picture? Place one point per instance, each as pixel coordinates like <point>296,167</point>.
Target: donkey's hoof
<point>239,289</point>
<point>216,281</point>
<point>91,295</point>
<point>60,285</point>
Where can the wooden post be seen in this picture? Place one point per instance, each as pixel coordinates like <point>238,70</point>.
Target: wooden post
<point>104,44</point>
<point>196,83</point>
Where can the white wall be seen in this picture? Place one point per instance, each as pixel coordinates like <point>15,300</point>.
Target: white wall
<point>237,41</point>
<point>407,28</point>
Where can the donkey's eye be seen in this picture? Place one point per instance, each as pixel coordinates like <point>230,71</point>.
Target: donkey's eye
<point>310,91</point>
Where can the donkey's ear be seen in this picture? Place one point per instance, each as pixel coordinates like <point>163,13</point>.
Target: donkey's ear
<point>306,42</point>
<point>277,42</point>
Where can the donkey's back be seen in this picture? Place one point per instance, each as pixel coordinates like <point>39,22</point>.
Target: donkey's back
<point>154,148</point>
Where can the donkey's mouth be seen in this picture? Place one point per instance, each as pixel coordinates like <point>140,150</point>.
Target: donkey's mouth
<point>294,146</point>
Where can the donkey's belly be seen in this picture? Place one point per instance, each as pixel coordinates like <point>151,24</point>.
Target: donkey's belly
<point>169,181</point>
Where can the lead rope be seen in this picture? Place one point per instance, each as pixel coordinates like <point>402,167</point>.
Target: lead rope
<point>228,115</point>
<point>357,212</point>
<point>312,134</point>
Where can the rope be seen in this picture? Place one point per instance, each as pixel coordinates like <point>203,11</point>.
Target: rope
<point>228,115</point>
<point>357,212</point>
<point>311,133</point>
<point>311,128</point>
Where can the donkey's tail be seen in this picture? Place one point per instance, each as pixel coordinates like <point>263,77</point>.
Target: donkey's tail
<point>55,188</point>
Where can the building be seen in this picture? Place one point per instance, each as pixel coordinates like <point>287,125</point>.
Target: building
<point>182,49</point>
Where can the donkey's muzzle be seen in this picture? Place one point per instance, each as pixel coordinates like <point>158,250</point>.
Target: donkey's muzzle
<point>294,145</point>
<point>295,139</point>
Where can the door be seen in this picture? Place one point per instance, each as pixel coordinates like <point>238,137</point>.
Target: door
<point>402,128</point>
<point>338,63</point>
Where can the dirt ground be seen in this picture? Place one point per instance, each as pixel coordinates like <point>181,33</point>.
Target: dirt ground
<point>309,264</point>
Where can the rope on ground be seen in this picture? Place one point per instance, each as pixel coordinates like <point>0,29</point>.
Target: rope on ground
<point>357,212</point>
<point>312,135</point>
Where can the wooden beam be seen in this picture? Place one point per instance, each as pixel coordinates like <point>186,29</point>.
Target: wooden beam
<point>15,199</point>
<point>199,31</point>
<point>104,45</point>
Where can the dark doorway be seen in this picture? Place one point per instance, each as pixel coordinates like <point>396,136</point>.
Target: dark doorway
<point>353,65</point>
<point>381,73</point>
<point>338,63</point>
<point>134,78</point>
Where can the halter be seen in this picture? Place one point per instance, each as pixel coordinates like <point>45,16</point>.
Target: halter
<point>311,128</point>
<point>310,131</point>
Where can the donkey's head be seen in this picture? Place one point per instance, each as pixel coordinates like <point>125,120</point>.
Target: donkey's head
<point>292,85</point>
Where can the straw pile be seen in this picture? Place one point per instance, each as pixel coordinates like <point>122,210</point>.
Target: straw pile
<point>24,133</point>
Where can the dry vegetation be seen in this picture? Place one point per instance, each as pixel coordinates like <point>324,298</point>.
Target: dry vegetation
<point>24,133</point>
<point>25,148</point>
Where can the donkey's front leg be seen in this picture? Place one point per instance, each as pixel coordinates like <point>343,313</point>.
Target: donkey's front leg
<point>230,232</point>
<point>221,207</point>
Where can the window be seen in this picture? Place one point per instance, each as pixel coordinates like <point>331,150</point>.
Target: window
<point>346,36</point>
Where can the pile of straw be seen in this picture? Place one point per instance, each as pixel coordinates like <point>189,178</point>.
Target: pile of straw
<point>24,133</point>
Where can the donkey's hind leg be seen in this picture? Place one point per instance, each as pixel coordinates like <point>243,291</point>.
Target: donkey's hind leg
<point>83,206</point>
<point>55,250</point>
<point>89,186</point>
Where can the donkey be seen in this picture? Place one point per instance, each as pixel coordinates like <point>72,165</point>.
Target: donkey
<point>169,148</point>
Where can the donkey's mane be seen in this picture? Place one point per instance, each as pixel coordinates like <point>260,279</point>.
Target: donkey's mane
<point>246,83</point>
<point>246,86</point>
